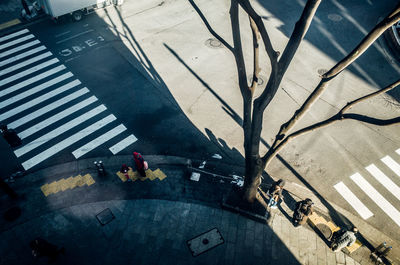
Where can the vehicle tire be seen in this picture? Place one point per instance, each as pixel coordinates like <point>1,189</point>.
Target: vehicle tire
<point>77,15</point>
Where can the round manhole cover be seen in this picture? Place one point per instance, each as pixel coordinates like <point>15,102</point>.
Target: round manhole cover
<point>260,81</point>
<point>213,43</point>
<point>335,17</point>
<point>205,241</point>
<point>322,71</point>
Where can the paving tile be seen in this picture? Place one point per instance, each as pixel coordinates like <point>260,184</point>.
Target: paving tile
<point>349,260</point>
<point>340,257</point>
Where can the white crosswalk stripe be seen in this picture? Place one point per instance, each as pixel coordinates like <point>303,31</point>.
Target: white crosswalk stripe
<point>19,48</point>
<point>49,107</point>
<point>385,183</point>
<point>31,116</point>
<point>35,90</point>
<point>375,196</point>
<point>25,63</point>
<point>38,100</point>
<point>22,55</point>
<point>58,131</point>
<point>98,141</point>
<point>13,35</point>
<point>393,165</point>
<point>67,142</point>
<point>49,121</point>
<point>118,147</point>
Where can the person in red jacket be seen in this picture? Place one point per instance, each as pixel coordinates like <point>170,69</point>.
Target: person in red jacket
<point>139,163</point>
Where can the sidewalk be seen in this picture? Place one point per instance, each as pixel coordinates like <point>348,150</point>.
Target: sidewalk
<point>153,220</point>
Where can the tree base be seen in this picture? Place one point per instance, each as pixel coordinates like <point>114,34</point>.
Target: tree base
<point>234,202</point>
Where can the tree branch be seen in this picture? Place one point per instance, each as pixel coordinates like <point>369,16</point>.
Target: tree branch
<point>365,43</point>
<point>256,67</point>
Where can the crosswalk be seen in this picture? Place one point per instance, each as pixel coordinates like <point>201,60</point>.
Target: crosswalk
<point>370,185</point>
<point>48,107</point>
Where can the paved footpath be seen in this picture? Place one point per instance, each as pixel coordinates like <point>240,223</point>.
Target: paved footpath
<point>153,221</point>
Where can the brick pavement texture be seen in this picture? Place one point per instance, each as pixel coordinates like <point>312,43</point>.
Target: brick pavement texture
<point>156,231</point>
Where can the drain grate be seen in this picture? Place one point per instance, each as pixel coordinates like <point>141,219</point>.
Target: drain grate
<point>105,216</point>
<point>205,242</point>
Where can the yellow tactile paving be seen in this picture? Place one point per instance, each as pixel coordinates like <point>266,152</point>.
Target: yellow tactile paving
<point>10,23</point>
<point>354,247</point>
<point>134,175</point>
<point>160,175</point>
<point>65,184</point>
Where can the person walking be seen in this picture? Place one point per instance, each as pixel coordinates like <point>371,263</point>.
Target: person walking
<point>275,193</point>
<point>343,238</point>
<point>10,136</point>
<point>140,164</point>
<point>302,211</point>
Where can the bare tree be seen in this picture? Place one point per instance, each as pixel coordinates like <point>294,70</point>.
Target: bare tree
<point>253,108</point>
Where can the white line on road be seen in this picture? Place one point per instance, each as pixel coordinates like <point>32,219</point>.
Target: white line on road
<point>11,43</point>
<point>374,195</point>
<point>393,165</point>
<point>12,35</point>
<point>98,141</point>
<point>25,63</point>
<point>384,180</point>
<point>38,100</point>
<point>74,36</point>
<point>43,124</point>
<point>19,48</point>
<point>31,80</point>
<point>58,131</point>
<point>123,144</point>
<point>22,55</point>
<point>398,151</point>
<point>352,199</point>
<point>67,142</point>
<point>35,89</point>
<point>28,71</point>
<point>48,108</point>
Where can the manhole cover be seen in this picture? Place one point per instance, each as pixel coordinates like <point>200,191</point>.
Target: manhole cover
<point>335,17</point>
<point>205,242</point>
<point>213,43</point>
<point>105,216</point>
<point>260,81</point>
<point>322,71</point>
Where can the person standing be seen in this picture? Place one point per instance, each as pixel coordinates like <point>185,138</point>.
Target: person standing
<point>302,211</point>
<point>10,136</point>
<point>139,163</point>
<point>343,239</point>
<point>275,193</point>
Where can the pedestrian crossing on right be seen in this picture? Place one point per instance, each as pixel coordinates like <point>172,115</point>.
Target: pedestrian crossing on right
<point>385,183</point>
<point>48,107</point>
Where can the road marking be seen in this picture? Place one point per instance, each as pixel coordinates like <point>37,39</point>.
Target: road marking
<point>374,195</point>
<point>25,63</point>
<point>398,151</point>
<point>19,48</point>
<point>11,43</point>
<point>31,80</point>
<point>22,55</point>
<point>384,180</point>
<point>38,100</point>
<point>10,23</point>
<point>43,124</point>
<point>67,142</point>
<point>28,71</point>
<point>12,35</point>
<point>393,165</point>
<point>352,199</point>
<point>58,131</point>
<point>74,36</point>
<point>98,141</point>
<point>48,108</point>
<point>35,90</point>
<point>123,144</point>
<point>62,34</point>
